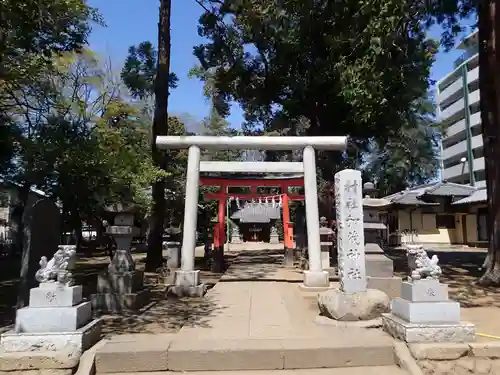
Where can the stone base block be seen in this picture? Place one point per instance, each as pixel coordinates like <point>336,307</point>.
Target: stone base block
<point>120,303</point>
<point>378,265</point>
<point>424,291</point>
<point>324,321</point>
<point>289,259</point>
<point>172,252</point>
<point>274,240</point>
<point>190,291</point>
<point>427,333</point>
<point>236,240</point>
<point>316,279</point>
<point>389,285</point>
<point>39,363</point>
<point>426,312</point>
<point>55,295</point>
<point>75,342</point>
<point>52,319</point>
<point>120,283</point>
<point>325,260</point>
<point>187,284</point>
<point>332,273</point>
<point>368,305</point>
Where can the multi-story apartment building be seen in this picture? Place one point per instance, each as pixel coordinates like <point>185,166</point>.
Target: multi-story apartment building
<point>458,108</point>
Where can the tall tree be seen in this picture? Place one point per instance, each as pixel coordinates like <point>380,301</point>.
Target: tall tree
<point>489,86</point>
<point>160,127</point>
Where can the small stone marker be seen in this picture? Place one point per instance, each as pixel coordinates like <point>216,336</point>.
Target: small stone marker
<point>325,236</point>
<point>424,313</point>
<point>350,236</point>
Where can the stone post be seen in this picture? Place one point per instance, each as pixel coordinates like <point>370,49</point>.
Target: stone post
<point>350,236</point>
<point>353,301</point>
<point>315,276</point>
<point>325,234</point>
<point>187,279</point>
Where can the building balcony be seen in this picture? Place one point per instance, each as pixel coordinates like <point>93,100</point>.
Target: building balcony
<point>456,151</point>
<point>470,52</point>
<point>457,107</point>
<point>458,170</point>
<point>452,92</point>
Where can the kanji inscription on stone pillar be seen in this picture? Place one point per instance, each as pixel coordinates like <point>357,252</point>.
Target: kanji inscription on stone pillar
<point>350,235</point>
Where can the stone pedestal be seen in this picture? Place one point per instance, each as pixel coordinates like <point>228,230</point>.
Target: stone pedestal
<point>424,313</point>
<point>120,289</point>
<point>56,323</point>
<point>316,279</point>
<point>187,284</point>
<point>172,252</point>
<point>274,237</point>
<point>325,236</point>
<point>379,267</point>
<point>235,236</point>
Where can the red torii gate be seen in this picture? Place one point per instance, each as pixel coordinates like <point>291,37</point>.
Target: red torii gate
<point>253,183</point>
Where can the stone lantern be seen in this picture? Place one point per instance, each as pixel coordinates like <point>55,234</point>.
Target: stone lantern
<point>120,288</point>
<point>379,267</point>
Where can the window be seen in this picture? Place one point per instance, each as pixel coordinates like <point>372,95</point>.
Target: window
<point>445,221</point>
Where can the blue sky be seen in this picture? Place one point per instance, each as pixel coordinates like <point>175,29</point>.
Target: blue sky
<point>133,21</point>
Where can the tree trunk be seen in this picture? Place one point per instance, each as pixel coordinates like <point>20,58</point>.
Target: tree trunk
<point>160,127</point>
<point>489,86</point>
<point>25,278</point>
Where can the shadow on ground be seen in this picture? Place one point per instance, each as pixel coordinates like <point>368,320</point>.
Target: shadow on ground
<point>255,265</point>
<point>163,315</point>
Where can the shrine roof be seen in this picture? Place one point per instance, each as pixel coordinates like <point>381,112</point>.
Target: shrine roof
<point>257,213</point>
<point>423,195</point>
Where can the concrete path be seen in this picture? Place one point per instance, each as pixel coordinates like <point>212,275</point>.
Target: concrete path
<point>254,326</point>
<point>261,265</point>
<point>375,370</point>
<point>268,310</point>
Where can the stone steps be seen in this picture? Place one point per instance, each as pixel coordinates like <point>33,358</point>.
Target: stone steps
<point>375,370</point>
<point>168,353</point>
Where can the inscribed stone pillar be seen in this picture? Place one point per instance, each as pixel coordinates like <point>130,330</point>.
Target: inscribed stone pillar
<point>350,236</point>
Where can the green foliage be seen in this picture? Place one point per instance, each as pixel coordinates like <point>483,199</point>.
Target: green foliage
<point>298,67</point>
<point>30,33</point>
<point>360,63</point>
<point>139,70</point>
<point>408,157</point>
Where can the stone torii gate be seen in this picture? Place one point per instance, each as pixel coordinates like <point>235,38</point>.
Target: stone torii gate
<point>187,279</point>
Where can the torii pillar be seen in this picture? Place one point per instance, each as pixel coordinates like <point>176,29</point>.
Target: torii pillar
<point>187,279</point>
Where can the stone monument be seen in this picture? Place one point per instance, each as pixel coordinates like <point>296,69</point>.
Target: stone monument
<point>325,236</point>
<point>171,246</point>
<point>235,235</point>
<point>120,288</point>
<point>274,237</point>
<point>57,325</point>
<point>379,267</point>
<point>424,313</point>
<point>353,301</point>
